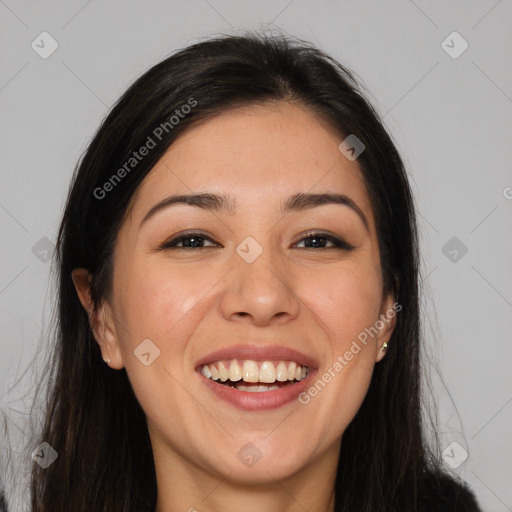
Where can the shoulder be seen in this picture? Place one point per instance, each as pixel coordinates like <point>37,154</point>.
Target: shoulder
<point>443,493</point>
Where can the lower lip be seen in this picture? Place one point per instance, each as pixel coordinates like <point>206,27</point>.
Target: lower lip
<point>259,401</point>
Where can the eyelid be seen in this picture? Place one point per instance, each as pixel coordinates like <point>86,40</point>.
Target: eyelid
<point>176,238</point>
<point>339,242</point>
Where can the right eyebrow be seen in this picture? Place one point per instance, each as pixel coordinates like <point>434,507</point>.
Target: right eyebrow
<point>206,201</point>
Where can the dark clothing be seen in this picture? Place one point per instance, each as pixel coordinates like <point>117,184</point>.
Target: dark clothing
<point>445,494</point>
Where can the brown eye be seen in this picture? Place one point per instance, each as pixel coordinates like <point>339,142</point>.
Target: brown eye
<point>314,240</point>
<point>317,240</point>
<point>188,241</point>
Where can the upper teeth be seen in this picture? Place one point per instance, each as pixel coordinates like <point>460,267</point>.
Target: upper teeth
<point>254,371</point>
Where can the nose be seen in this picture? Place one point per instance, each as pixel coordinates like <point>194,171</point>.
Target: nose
<point>260,292</point>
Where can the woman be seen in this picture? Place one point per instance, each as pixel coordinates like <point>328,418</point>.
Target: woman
<point>238,299</point>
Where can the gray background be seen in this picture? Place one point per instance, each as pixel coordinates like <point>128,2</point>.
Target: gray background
<point>450,117</point>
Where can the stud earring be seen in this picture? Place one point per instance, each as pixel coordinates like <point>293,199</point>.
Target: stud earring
<point>106,359</point>
<point>384,347</point>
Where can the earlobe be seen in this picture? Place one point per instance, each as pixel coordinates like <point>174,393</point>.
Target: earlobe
<point>386,325</point>
<point>107,337</point>
<point>100,321</point>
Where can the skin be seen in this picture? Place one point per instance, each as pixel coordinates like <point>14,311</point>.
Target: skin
<point>191,302</point>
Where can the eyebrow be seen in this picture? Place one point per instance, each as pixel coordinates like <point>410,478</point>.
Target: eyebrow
<point>227,204</point>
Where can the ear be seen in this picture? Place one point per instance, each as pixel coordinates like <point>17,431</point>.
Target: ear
<point>386,323</point>
<point>100,320</point>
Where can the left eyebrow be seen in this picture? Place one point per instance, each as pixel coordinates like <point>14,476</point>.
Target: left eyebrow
<point>223,203</point>
<point>298,202</point>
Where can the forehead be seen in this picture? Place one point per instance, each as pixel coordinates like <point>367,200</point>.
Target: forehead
<point>257,154</point>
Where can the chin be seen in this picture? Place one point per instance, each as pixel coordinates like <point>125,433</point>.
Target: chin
<point>259,462</point>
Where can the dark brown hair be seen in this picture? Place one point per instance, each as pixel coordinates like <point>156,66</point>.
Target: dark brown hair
<point>94,420</point>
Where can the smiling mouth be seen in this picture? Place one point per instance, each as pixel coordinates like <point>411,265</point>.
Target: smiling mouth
<point>254,376</point>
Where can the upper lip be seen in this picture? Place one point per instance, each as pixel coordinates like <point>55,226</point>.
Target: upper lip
<point>258,353</point>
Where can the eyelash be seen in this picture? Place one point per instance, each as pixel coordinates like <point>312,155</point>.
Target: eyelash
<point>338,242</point>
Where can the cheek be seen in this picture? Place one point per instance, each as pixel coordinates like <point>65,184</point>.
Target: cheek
<point>166,304</point>
<point>160,304</point>
<point>155,300</point>
<point>348,305</point>
<point>347,300</point>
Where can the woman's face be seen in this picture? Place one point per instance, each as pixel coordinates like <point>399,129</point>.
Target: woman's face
<point>249,286</point>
